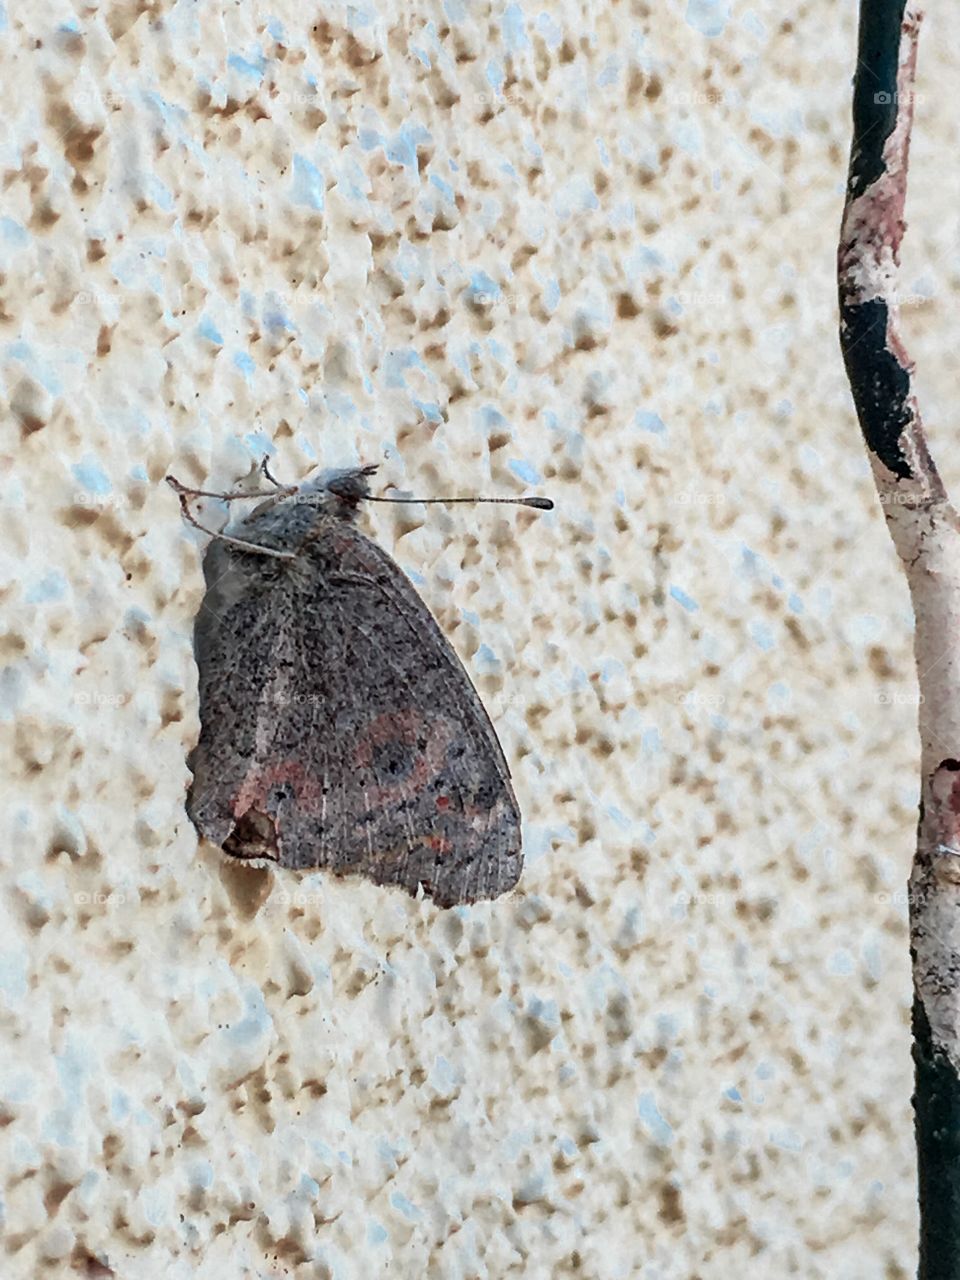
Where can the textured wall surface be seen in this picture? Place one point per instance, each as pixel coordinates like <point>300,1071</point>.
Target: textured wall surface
<point>584,250</point>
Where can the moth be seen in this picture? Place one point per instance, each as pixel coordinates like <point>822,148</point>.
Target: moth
<point>339,729</point>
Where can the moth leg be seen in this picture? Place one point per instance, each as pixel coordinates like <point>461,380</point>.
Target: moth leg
<point>184,491</point>
<point>265,469</point>
<point>185,494</point>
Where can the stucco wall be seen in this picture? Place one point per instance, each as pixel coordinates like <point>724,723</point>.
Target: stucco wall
<point>587,251</point>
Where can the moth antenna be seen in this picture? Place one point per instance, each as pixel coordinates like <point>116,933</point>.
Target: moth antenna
<point>539,504</point>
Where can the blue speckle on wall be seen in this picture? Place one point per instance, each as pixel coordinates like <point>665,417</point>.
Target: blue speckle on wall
<point>486,660</point>
<point>52,586</point>
<point>395,363</point>
<point>254,1023</point>
<point>429,408</point>
<point>609,73</point>
<point>761,635</point>
<point>442,1075</point>
<point>244,363</point>
<point>207,329</point>
<point>90,477</point>
<point>551,33</point>
<point>340,405</point>
<point>514,29</point>
<point>495,75</point>
<point>258,444</point>
<point>58,1127</point>
<point>689,137</point>
<point>200,1174</point>
<point>409,1211</point>
<point>649,1113</point>
<point>402,147</point>
<point>754,25</point>
<point>642,261</point>
<point>277,320</point>
<point>795,603</point>
<point>163,199</point>
<point>376,1234</point>
<point>709,17</point>
<point>358,17</point>
<point>13,974</point>
<point>369,139</point>
<point>253,70</point>
<point>733,1094</point>
<point>421,54</point>
<point>647,420</point>
<point>681,597</point>
<point>72,1067</point>
<point>307,188</point>
<point>492,419</point>
<point>444,188</point>
<point>482,286</point>
<point>576,195</point>
<point>275,28</point>
<point>786,1138</point>
<point>4,22</point>
<point>525,471</point>
<point>13,231</point>
<point>538,839</point>
<point>841,964</point>
<point>551,296</point>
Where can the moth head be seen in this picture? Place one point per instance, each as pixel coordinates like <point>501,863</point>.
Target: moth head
<point>343,491</point>
<point>350,486</point>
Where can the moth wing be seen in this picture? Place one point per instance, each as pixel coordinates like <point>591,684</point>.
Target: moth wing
<point>362,747</point>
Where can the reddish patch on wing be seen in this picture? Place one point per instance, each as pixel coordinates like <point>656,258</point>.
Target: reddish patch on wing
<point>261,779</point>
<point>409,729</point>
<point>438,844</point>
